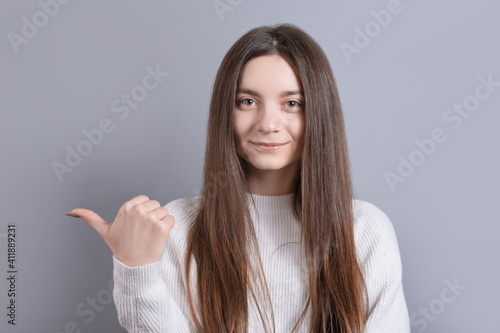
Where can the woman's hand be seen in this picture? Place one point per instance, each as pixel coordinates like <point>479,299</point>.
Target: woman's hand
<point>138,235</point>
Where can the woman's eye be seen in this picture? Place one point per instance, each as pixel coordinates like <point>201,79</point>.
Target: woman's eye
<point>245,100</point>
<point>293,103</point>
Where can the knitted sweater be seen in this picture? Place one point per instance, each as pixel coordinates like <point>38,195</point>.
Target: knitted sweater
<point>153,297</point>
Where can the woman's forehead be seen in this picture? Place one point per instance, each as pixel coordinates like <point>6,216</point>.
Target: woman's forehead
<point>269,73</point>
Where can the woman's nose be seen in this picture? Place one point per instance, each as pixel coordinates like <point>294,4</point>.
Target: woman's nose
<point>268,119</point>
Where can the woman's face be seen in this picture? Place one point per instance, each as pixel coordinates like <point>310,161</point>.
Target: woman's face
<point>269,115</point>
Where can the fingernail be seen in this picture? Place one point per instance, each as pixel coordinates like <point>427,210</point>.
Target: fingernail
<point>72,215</point>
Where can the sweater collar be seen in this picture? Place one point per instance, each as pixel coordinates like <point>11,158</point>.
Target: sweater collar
<point>271,203</point>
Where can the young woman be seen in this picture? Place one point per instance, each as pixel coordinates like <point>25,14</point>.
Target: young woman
<point>275,242</point>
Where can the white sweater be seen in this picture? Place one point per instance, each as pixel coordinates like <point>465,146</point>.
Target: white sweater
<point>153,298</point>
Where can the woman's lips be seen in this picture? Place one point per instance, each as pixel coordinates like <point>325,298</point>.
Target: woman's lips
<point>268,146</point>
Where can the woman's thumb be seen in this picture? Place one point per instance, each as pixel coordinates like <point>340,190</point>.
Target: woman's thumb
<point>93,219</point>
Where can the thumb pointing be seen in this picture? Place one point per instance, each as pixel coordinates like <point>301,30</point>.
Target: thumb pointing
<point>94,220</point>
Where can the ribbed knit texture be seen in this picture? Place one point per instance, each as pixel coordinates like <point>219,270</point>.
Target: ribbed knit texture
<point>153,298</point>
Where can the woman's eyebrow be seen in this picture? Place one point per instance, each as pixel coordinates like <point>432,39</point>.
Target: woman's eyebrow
<point>283,93</point>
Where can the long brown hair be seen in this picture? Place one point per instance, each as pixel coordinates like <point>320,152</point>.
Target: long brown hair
<point>222,240</point>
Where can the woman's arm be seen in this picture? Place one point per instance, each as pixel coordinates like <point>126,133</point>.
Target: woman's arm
<point>140,297</point>
<point>381,261</point>
<point>147,270</point>
<point>143,302</point>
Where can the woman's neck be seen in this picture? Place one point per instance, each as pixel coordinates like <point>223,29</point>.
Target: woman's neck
<point>273,182</point>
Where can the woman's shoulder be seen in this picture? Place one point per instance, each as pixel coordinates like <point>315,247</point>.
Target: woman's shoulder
<point>184,210</point>
<point>369,217</point>
<point>186,203</point>
<point>373,229</point>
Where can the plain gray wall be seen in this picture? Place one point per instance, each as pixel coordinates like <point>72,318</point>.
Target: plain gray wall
<point>401,81</point>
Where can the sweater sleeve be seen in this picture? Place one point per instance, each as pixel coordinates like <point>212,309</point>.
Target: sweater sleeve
<point>381,261</point>
<point>141,298</point>
<point>152,298</point>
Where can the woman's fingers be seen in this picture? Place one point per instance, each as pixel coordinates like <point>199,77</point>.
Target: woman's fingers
<point>137,200</point>
<point>167,221</point>
<point>149,205</point>
<point>159,213</point>
<point>139,233</point>
<point>94,220</point>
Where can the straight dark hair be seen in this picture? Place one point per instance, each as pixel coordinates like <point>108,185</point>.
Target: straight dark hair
<point>222,239</point>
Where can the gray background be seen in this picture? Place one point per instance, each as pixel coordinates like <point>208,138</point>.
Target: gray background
<point>395,90</point>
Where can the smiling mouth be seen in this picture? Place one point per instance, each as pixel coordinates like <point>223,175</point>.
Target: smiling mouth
<point>272,144</point>
<point>268,146</point>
